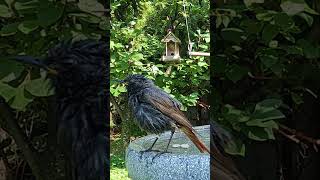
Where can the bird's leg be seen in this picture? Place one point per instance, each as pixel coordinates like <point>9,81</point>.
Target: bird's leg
<point>150,148</point>
<point>166,150</point>
<point>172,132</point>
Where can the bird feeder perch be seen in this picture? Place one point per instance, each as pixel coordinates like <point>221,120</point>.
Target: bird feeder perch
<point>172,52</point>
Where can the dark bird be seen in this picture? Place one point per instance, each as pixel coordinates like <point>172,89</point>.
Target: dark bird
<point>222,165</point>
<point>80,78</point>
<point>155,111</point>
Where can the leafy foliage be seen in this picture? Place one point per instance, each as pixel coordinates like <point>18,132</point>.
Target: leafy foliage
<point>266,61</point>
<point>136,46</point>
<point>31,27</point>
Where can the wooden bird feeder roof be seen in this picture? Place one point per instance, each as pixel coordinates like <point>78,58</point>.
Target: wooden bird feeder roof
<point>170,37</point>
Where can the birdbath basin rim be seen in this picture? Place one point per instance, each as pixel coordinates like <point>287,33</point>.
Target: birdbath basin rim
<point>184,161</point>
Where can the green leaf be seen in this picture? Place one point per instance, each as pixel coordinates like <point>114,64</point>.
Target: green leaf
<point>8,2</point>
<point>251,26</point>
<point>9,70</point>
<point>269,32</point>
<point>121,89</point>
<point>116,91</point>
<point>166,89</point>
<point>309,10</point>
<point>266,16</point>
<point>309,50</point>
<point>250,2</point>
<point>235,73</point>
<point>288,36</point>
<point>137,57</point>
<point>5,12</point>
<point>104,24</point>
<point>6,91</point>
<point>91,19</point>
<point>269,60</point>
<point>218,21</point>
<point>40,87</point>
<point>232,34</point>
<point>138,63</point>
<point>264,124</point>
<point>292,8</point>
<point>28,26</point>
<point>274,103</point>
<point>235,147</point>
<point>202,64</point>
<point>294,50</point>
<point>49,13</point>
<point>20,101</point>
<point>307,18</point>
<point>9,29</point>
<point>283,21</point>
<point>260,134</point>
<point>236,48</point>
<point>278,69</point>
<point>91,6</point>
<point>33,4</point>
<point>266,114</point>
<point>225,21</point>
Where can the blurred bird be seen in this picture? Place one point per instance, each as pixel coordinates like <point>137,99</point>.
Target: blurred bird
<point>80,79</point>
<point>222,166</point>
<point>155,111</point>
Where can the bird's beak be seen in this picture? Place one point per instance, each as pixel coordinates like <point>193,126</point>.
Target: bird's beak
<point>119,81</point>
<point>35,62</point>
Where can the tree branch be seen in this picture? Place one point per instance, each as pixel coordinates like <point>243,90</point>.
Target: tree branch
<point>300,135</point>
<point>297,136</point>
<point>9,124</point>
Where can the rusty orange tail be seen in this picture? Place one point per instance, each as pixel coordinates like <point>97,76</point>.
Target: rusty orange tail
<point>196,141</point>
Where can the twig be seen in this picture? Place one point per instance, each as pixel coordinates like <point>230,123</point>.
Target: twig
<point>259,77</point>
<point>23,169</point>
<point>300,135</point>
<point>202,104</point>
<point>291,137</point>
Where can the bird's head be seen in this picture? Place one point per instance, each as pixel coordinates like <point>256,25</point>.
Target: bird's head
<point>136,82</point>
<point>74,66</point>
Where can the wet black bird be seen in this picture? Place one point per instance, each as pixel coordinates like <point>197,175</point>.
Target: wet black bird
<point>81,81</point>
<point>222,165</point>
<point>156,111</point>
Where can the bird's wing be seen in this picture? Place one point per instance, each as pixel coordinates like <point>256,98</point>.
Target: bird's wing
<point>165,104</point>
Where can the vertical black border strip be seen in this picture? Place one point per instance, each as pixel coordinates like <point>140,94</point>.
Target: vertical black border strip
<point>213,43</point>
<point>107,13</point>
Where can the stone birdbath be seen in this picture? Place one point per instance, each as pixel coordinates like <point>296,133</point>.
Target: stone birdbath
<point>183,162</point>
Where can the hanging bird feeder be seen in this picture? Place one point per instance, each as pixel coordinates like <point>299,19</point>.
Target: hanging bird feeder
<point>172,52</point>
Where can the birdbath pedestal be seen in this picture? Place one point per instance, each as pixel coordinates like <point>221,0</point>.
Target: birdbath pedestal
<point>183,162</point>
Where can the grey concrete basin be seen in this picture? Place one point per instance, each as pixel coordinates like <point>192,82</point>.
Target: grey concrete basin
<point>183,162</point>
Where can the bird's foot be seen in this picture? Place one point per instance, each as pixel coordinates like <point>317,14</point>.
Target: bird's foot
<point>147,150</point>
<point>160,153</point>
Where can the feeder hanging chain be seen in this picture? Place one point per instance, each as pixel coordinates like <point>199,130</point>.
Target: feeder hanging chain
<point>186,17</point>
